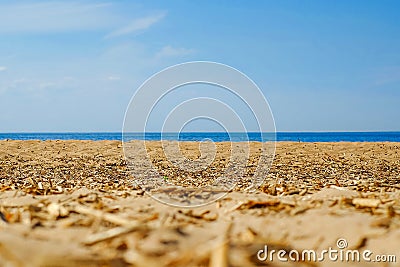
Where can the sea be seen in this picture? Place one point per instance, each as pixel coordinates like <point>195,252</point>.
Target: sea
<point>214,136</point>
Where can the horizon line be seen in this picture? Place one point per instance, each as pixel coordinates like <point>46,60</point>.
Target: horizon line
<point>150,132</point>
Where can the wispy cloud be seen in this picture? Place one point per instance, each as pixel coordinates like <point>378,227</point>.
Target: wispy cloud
<point>137,25</point>
<point>39,17</point>
<point>113,78</point>
<point>2,68</point>
<point>169,51</point>
<point>6,85</point>
<point>67,16</point>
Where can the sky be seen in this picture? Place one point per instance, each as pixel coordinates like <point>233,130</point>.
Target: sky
<point>73,66</point>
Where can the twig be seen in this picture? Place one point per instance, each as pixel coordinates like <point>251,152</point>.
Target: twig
<point>114,232</point>
<point>219,256</point>
<point>102,215</point>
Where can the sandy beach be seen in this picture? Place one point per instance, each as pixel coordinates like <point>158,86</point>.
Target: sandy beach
<point>74,203</point>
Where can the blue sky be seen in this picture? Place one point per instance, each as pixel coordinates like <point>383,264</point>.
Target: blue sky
<point>322,65</point>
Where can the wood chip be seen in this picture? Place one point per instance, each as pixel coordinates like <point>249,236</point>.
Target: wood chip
<point>112,233</point>
<point>366,202</point>
<point>118,220</point>
<point>256,204</point>
<point>56,210</point>
<point>219,255</point>
<point>3,217</point>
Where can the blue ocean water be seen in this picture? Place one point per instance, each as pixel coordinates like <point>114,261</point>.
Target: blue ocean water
<point>216,136</point>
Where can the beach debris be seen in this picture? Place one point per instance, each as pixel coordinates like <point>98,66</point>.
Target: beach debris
<point>3,217</point>
<point>112,233</point>
<point>207,215</point>
<point>98,214</point>
<point>219,254</point>
<point>382,222</point>
<point>56,210</point>
<point>366,202</point>
<point>256,204</point>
